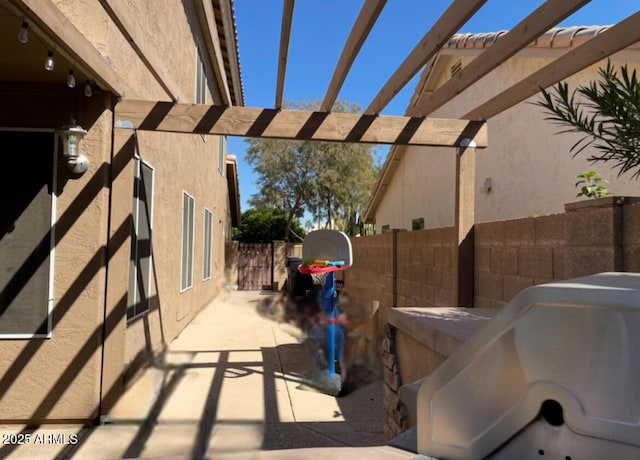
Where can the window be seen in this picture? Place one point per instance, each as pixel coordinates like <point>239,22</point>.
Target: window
<point>417,224</point>
<point>139,293</point>
<point>188,204</point>
<point>27,240</point>
<point>201,78</point>
<point>206,257</point>
<point>222,153</point>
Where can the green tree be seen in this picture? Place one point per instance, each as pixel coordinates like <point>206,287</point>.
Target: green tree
<point>606,112</point>
<point>331,180</point>
<point>265,225</point>
<point>344,184</point>
<point>285,176</point>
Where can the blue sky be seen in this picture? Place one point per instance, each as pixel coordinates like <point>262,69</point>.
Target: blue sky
<point>320,29</point>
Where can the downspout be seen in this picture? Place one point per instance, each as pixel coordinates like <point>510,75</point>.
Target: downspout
<point>103,418</point>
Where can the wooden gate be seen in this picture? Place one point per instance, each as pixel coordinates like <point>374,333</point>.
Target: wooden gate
<point>255,266</point>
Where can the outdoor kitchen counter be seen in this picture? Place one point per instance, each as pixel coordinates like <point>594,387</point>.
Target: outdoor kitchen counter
<point>442,329</point>
<point>417,340</point>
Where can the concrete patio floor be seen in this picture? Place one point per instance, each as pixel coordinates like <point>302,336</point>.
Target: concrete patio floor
<point>229,387</point>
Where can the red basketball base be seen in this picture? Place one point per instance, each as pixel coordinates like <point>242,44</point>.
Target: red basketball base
<point>318,270</point>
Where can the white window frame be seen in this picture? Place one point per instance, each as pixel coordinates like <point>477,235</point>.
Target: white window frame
<point>187,284</point>
<point>207,246</point>
<point>138,174</point>
<point>200,78</point>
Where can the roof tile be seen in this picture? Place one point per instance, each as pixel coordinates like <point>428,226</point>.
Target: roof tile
<point>559,37</point>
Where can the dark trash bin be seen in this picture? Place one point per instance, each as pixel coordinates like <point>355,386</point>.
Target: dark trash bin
<point>298,283</point>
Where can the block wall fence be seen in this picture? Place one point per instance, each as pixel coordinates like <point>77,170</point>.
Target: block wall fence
<point>416,268</point>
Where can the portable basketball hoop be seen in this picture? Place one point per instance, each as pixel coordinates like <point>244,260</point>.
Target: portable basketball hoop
<point>324,253</point>
<point>318,273</point>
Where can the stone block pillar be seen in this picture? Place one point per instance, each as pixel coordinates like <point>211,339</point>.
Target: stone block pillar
<point>593,236</point>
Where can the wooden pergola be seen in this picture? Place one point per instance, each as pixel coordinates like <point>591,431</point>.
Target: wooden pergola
<point>417,127</point>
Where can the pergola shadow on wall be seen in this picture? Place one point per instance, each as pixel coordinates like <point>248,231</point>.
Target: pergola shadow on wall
<point>417,127</point>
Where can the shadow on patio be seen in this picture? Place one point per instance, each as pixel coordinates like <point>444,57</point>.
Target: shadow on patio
<point>230,383</point>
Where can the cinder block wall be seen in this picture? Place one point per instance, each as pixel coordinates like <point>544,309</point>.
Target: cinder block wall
<point>593,236</point>
<point>631,237</point>
<point>425,275</point>
<point>415,269</point>
<point>590,237</point>
<point>369,282</point>
<point>513,255</point>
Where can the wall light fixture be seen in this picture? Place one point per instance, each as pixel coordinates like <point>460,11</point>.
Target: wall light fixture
<point>71,136</point>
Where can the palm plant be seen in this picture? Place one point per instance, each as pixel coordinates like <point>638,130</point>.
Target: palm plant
<point>606,112</point>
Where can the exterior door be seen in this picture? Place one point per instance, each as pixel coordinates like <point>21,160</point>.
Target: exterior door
<point>255,266</point>
<point>27,215</point>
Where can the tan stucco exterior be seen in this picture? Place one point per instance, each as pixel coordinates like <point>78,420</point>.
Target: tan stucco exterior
<point>195,172</point>
<point>530,166</point>
<point>93,351</point>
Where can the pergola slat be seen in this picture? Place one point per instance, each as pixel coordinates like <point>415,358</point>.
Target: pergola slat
<point>612,40</point>
<point>285,34</point>
<point>534,25</point>
<point>451,20</point>
<point>366,19</point>
<point>296,125</point>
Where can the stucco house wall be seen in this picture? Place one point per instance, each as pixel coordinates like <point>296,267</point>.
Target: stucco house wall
<point>416,191</point>
<point>77,373</point>
<point>193,170</point>
<point>531,169</point>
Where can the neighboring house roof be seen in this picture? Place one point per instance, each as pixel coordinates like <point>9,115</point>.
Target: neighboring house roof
<point>561,37</point>
<point>556,38</point>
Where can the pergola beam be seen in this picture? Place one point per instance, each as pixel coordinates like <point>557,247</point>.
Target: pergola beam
<point>612,40</point>
<point>296,125</point>
<point>534,25</point>
<point>449,23</point>
<point>285,34</point>
<point>364,23</point>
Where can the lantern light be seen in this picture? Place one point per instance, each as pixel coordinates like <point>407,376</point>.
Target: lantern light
<point>71,136</point>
